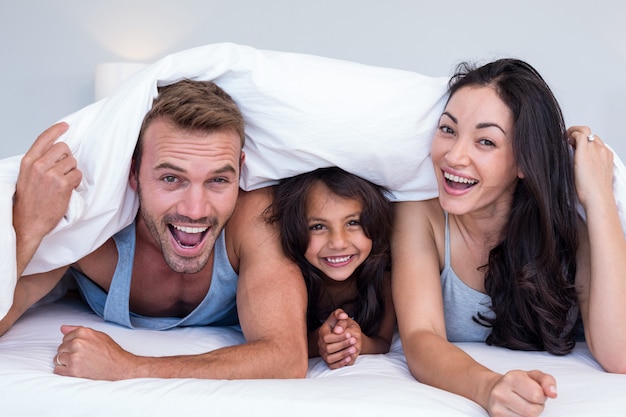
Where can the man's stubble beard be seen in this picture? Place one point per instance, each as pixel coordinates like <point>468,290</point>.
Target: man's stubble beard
<point>162,240</point>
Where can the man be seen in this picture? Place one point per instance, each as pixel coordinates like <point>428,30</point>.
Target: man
<point>196,240</point>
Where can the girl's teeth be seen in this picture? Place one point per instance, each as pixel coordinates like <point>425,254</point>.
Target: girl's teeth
<point>338,260</point>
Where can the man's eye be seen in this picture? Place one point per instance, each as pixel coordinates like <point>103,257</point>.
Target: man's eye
<point>169,178</point>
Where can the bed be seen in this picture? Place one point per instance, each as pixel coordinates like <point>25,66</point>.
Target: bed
<point>376,385</point>
<point>297,108</point>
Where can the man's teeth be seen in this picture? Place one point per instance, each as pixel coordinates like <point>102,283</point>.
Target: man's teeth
<point>338,260</point>
<point>456,178</point>
<point>187,229</point>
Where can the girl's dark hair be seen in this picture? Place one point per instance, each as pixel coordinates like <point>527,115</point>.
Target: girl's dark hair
<point>289,210</point>
<point>530,275</point>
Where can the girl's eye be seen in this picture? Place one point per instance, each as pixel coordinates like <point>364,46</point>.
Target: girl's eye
<point>354,223</point>
<point>486,142</point>
<point>316,227</point>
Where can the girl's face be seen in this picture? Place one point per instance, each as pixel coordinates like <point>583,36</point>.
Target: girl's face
<point>473,155</point>
<point>337,242</point>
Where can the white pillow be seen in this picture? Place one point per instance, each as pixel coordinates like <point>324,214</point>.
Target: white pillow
<point>302,112</point>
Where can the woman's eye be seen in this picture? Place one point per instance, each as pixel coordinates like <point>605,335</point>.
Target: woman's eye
<point>486,142</point>
<point>446,129</point>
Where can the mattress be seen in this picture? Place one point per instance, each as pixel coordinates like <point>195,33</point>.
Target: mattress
<point>376,385</point>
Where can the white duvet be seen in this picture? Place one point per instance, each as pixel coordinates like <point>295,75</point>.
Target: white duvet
<point>302,112</point>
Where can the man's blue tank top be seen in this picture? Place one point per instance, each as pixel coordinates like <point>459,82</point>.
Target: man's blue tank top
<point>218,308</point>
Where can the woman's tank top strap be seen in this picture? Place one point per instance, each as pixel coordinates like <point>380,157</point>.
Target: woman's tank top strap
<point>446,259</point>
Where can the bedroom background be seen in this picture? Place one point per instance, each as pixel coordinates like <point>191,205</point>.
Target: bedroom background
<point>50,48</point>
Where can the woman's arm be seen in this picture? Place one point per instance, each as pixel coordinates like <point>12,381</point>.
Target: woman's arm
<point>601,267</point>
<point>419,307</point>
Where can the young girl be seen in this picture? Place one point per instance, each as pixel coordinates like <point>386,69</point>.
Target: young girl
<point>503,257</point>
<point>336,227</point>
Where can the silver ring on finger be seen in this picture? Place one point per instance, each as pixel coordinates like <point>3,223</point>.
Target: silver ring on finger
<point>591,137</point>
<point>58,359</point>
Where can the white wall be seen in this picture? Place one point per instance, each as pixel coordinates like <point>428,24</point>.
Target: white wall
<point>49,48</point>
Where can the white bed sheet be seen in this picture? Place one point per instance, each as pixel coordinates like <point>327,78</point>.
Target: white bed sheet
<point>377,385</point>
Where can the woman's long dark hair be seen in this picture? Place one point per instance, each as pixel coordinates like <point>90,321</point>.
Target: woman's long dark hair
<point>530,275</point>
<point>289,210</point>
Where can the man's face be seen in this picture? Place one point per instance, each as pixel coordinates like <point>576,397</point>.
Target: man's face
<point>188,184</point>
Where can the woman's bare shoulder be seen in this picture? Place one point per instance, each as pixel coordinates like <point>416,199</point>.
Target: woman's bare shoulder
<point>419,212</point>
<point>419,228</point>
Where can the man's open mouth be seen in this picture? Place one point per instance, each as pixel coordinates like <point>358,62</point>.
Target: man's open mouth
<point>188,236</point>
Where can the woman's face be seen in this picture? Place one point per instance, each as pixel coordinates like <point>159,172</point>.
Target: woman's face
<point>473,155</point>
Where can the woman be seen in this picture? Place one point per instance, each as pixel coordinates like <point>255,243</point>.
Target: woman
<point>502,256</point>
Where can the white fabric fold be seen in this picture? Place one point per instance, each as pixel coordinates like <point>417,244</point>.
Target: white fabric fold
<point>302,112</point>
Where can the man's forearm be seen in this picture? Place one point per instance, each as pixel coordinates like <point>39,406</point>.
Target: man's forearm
<point>92,354</point>
<point>255,360</point>
<point>24,253</point>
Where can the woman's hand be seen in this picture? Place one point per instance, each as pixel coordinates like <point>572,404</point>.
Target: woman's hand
<point>593,166</point>
<point>521,393</point>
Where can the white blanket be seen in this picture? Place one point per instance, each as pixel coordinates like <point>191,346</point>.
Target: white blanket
<point>302,112</point>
